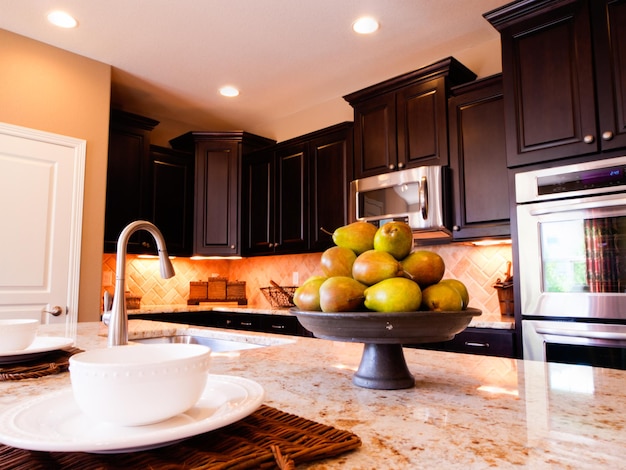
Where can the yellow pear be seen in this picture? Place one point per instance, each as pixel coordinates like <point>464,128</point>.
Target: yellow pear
<point>307,296</point>
<point>358,236</point>
<point>394,237</point>
<point>341,294</point>
<point>424,267</point>
<point>337,261</point>
<point>373,266</point>
<point>441,297</point>
<point>396,294</point>
<point>461,289</point>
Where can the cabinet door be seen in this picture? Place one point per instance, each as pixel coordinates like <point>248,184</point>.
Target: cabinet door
<point>375,146</point>
<point>171,208</point>
<point>217,193</point>
<point>258,203</point>
<point>548,86</point>
<point>478,160</point>
<point>609,18</point>
<point>128,179</point>
<point>422,124</point>
<point>291,222</point>
<point>329,175</point>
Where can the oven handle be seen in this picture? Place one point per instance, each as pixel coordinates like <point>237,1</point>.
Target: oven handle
<point>608,335</point>
<point>574,204</point>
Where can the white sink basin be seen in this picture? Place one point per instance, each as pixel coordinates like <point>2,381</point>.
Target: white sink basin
<point>216,344</point>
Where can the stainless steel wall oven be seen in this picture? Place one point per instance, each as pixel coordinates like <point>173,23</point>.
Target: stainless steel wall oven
<point>572,262</point>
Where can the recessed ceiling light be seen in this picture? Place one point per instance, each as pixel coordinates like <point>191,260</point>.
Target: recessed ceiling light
<point>365,25</point>
<point>62,19</point>
<point>229,91</point>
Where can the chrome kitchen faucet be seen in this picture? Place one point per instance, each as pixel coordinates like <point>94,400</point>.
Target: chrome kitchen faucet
<point>118,321</point>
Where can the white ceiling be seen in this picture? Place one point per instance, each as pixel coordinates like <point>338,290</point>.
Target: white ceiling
<point>169,57</point>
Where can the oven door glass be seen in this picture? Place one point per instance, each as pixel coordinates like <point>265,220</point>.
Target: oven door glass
<point>584,255</point>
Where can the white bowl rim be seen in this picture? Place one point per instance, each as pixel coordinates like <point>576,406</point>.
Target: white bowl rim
<point>89,359</point>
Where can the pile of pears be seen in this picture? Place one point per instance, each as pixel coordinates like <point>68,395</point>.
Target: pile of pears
<point>374,268</point>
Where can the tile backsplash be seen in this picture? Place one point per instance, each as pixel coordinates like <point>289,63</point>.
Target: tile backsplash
<point>478,267</point>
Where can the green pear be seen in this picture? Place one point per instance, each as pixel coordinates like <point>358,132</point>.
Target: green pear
<point>337,261</point>
<point>373,266</point>
<point>394,237</point>
<point>441,297</point>
<point>424,267</point>
<point>461,289</point>
<point>341,294</point>
<point>307,296</point>
<point>396,294</point>
<point>358,236</point>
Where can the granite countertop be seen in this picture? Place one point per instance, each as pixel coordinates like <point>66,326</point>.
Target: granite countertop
<point>504,323</point>
<point>465,411</point>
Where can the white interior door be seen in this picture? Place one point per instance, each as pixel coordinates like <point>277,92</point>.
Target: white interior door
<point>41,206</point>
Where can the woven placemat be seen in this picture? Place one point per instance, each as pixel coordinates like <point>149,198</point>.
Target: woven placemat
<point>53,362</point>
<point>267,439</point>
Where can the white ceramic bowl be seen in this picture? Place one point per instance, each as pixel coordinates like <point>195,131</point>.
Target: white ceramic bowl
<point>133,385</point>
<point>17,334</point>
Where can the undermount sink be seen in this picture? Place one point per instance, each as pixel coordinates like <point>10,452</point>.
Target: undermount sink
<point>216,344</point>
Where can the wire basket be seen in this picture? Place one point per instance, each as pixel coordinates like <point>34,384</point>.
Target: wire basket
<point>279,297</point>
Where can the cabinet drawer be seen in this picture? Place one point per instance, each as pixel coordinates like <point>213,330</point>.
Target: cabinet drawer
<point>484,341</point>
<point>239,321</point>
<point>284,325</point>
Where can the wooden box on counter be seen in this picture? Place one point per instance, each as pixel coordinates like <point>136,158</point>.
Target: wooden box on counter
<point>217,289</point>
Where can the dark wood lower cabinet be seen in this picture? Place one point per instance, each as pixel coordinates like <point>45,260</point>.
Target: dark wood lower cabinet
<point>262,323</point>
<point>483,341</point>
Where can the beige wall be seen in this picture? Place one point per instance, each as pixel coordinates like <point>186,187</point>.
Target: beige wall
<point>46,88</point>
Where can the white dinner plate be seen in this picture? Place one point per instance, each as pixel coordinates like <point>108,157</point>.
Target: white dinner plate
<point>39,347</point>
<point>53,422</point>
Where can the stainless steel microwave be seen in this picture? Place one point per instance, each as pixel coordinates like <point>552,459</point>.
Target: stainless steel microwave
<point>417,196</point>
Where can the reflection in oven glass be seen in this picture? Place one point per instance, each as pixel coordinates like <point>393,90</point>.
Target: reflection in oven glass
<point>586,255</point>
<point>597,356</point>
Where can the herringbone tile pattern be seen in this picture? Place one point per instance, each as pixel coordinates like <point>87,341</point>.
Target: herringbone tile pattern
<point>477,267</point>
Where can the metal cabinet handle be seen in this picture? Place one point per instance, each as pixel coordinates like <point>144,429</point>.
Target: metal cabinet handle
<point>607,135</point>
<point>392,166</point>
<point>588,139</point>
<point>474,344</point>
<point>456,228</point>
<point>278,327</point>
<point>246,323</point>
<point>400,165</point>
<point>54,311</point>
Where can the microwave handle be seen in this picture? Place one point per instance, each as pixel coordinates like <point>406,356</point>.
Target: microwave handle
<point>423,192</point>
<point>574,204</point>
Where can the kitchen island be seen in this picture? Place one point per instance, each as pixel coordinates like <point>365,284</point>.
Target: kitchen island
<point>466,411</point>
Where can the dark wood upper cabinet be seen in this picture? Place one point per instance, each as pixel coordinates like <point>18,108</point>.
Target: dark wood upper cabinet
<point>171,208</point>
<point>275,207</point>
<point>478,160</point>
<point>217,187</point>
<point>291,205</point>
<point>330,171</point>
<point>257,208</point>
<point>128,188</point>
<point>609,40</point>
<point>554,64</point>
<point>293,189</point>
<point>402,122</point>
